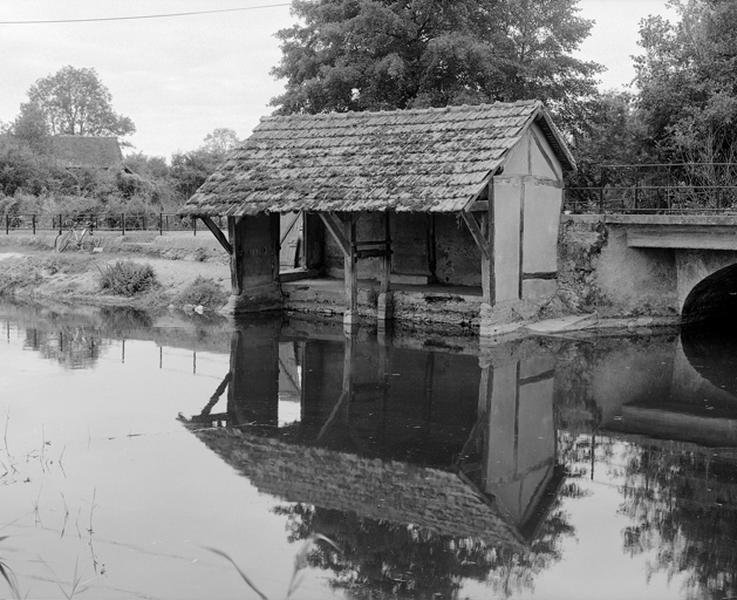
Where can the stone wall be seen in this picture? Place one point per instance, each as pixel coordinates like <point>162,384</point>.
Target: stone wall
<point>599,272</point>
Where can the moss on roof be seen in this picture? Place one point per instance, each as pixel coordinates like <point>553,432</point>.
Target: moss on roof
<point>419,160</point>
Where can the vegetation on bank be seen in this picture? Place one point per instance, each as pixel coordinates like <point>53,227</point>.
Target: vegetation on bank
<point>203,291</point>
<point>127,278</point>
<point>96,280</point>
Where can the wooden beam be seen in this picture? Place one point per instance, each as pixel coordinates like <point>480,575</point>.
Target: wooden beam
<point>219,235</point>
<point>335,227</point>
<point>479,206</point>
<point>476,234</point>
<point>350,272</point>
<point>547,158</point>
<point>386,263</point>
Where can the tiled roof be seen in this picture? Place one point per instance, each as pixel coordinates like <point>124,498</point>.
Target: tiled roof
<point>76,151</point>
<point>435,160</point>
<point>432,499</point>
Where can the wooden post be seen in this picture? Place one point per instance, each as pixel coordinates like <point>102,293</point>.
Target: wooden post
<point>254,266</point>
<point>350,273</point>
<point>123,223</point>
<point>488,275</point>
<point>161,223</point>
<point>384,304</point>
<point>235,270</point>
<point>33,223</point>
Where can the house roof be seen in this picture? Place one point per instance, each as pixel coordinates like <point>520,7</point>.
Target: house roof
<point>76,151</point>
<point>433,499</point>
<point>420,160</point>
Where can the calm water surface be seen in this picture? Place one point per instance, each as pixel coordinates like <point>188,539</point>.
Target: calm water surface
<point>549,468</point>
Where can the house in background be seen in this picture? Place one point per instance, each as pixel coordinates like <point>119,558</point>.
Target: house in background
<point>74,151</point>
<point>86,152</point>
<point>436,215</point>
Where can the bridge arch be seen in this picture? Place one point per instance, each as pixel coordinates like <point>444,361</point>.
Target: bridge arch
<point>713,299</point>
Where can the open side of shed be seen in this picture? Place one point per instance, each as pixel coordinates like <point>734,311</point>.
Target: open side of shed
<point>456,208</point>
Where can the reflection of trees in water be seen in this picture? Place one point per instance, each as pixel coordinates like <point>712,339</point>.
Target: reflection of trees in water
<point>380,559</point>
<point>73,347</point>
<point>683,505</point>
<point>121,320</point>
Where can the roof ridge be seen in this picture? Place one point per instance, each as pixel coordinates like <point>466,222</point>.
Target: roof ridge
<point>424,110</point>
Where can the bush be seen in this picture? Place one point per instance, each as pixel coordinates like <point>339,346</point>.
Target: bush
<point>127,278</point>
<point>203,291</point>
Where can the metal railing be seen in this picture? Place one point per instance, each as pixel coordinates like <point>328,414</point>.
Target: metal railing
<point>123,222</point>
<point>652,199</point>
<point>670,188</point>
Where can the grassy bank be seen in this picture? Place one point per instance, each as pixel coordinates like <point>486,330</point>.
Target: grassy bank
<point>109,278</point>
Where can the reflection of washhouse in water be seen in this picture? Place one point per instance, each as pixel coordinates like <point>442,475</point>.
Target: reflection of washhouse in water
<point>393,434</point>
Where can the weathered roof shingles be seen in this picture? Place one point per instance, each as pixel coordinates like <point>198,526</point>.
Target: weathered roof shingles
<point>434,160</point>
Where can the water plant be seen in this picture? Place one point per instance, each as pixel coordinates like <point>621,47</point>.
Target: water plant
<point>8,575</point>
<point>300,563</point>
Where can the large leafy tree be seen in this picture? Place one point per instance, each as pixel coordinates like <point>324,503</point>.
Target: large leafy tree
<point>687,83</point>
<point>375,54</point>
<point>74,101</point>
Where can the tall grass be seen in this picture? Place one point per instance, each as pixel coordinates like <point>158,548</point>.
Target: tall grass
<point>300,563</point>
<point>127,278</point>
<point>8,575</point>
<point>203,291</point>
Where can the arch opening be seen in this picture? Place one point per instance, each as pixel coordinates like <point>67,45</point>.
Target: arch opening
<point>713,301</point>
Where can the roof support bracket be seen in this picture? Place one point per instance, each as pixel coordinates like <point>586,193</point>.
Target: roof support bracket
<point>219,235</point>
<point>476,234</point>
<point>335,226</point>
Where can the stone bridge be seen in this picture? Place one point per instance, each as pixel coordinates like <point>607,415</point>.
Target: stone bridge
<point>655,264</point>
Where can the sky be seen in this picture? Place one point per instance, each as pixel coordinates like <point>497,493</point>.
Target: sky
<point>179,78</point>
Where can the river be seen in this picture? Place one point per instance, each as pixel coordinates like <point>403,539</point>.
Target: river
<point>156,457</point>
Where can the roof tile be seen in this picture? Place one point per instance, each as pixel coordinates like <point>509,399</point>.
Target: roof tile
<point>418,160</point>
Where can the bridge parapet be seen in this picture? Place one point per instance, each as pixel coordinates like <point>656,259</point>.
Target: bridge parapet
<point>675,188</point>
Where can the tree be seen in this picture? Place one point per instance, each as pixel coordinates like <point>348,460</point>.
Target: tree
<point>686,78</point>
<point>75,102</point>
<point>220,141</point>
<point>190,169</point>
<point>31,128</point>
<point>375,54</point>
<point>610,133</point>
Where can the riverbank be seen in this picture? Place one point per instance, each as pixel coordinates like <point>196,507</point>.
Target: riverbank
<point>30,270</point>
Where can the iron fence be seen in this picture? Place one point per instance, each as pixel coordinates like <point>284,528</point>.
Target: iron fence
<point>652,199</point>
<point>124,222</point>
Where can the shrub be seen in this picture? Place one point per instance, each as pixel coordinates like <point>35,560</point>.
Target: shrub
<point>127,278</point>
<point>204,291</point>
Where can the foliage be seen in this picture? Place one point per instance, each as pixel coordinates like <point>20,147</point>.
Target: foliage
<point>688,92</point>
<point>377,54</point>
<point>610,134</point>
<point>75,102</point>
<point>127,278</point>
<point>221,141</point>
<point>203,291</point>
<point>190,169</point>
<point>31,128</point>
<point>384,559</point>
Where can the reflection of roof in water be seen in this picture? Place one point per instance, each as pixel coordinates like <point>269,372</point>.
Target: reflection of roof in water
<point>433,499</point>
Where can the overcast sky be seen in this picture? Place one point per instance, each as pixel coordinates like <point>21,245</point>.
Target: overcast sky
<point>180,78</point>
